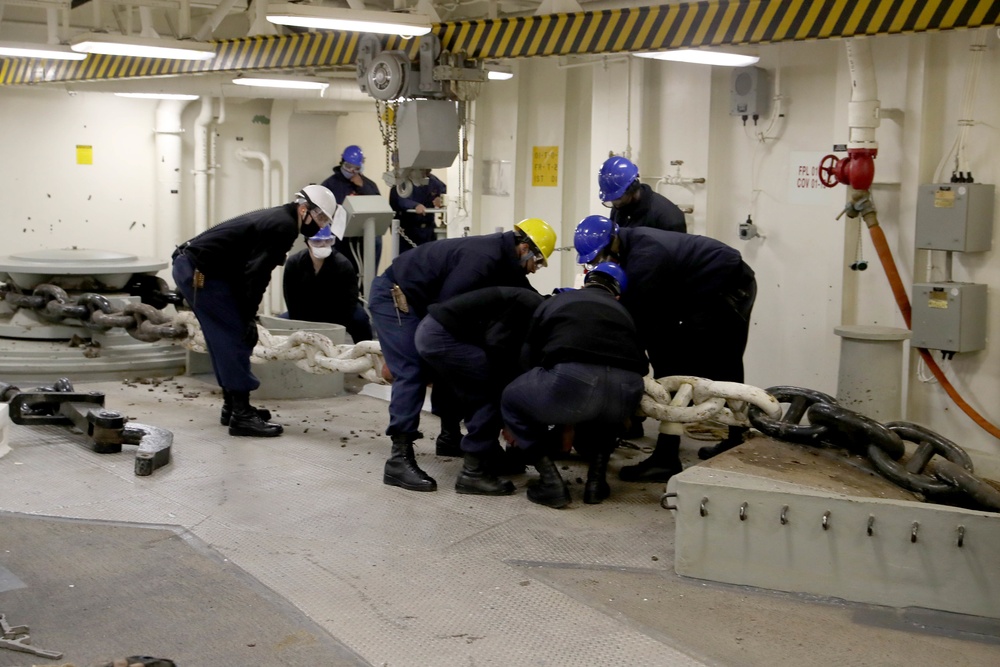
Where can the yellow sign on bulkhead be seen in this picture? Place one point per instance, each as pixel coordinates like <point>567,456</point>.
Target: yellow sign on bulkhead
<point>84,154</point>
<point>545,166</point>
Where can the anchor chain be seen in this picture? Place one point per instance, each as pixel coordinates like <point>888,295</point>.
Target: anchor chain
<point>312,352</point>
<point>53,304</point>
<point>948,479</point>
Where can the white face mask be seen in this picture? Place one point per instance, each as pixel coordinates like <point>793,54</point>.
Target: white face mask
<point>321,253</point>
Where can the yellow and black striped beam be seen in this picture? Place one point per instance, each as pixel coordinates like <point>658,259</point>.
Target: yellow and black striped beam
<point>683,25</point>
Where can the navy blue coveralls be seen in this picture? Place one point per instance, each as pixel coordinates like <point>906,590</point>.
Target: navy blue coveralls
<point>342,188</point>
<point>329,295</point>
<point>651,210</point>
<point>236,259</point>
<point>691,297</point>
<point>419,228</point>
<point>474,341</point>
<point>587,369</point>
<point>426,275</point>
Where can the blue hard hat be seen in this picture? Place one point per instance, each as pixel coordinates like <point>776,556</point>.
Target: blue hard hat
<point>324,234</point>
<point>593,234</point>
<point>353,155</point>
<point>616,272</point>
<point>615,177</point>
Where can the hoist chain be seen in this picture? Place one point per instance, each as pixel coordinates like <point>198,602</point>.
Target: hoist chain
<point>387,113</point>
<point>95,312</point>
<point>948,479</point>
<point>408,239</point>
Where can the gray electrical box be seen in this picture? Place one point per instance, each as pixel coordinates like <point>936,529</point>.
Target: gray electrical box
<point>427,132</point>
<point>750,92</point>
<point>955,216</point>
<point>949,316</point>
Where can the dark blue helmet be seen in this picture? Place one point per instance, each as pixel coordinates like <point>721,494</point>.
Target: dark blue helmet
<point>593,234</point>
<point>615,177</point>
<point>353,155</point>
<point>610,275</point>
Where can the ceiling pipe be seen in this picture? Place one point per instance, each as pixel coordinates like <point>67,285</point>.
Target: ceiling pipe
<point>214,19</point>
<point>184,19</point>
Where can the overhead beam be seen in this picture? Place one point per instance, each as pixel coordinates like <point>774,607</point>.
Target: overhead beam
<point>685,25</point>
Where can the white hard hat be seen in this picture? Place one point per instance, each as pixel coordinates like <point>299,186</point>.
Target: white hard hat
<point>320,197</point>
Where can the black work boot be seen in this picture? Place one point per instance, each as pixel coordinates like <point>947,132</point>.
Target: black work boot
<point>734,439</point>
<point>402,470</point>
<point>550,489</point>
<point>449,442</point>
<point>596,488</point>
<point>506,462</point>
<point>662,464</point>
<point>227,409</point>
<point>477,479</point>
<point>245,420</point>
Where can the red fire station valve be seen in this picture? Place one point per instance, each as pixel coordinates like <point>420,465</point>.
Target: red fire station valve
<point>856,170</point>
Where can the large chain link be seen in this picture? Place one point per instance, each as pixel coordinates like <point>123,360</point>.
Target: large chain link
<point>950,479</point>
<point>312,352</point>
<point>685,399</point>
<point>95,312</point>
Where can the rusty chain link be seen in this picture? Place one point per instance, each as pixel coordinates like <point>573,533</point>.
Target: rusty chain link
<point>950,479</point>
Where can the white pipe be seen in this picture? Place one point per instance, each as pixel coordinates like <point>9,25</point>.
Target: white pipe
<point>677,180</point>
<point>603,60</point>
<point>272,296</point>
<point>167,133</point>
<point>200,170</point>
<point>213,151</point>
<point>52,21</point>
<point>146,23</point>
<point>246,154</point>
<point>184,19</point>
<point>213,21</point>
<point>863,109</point>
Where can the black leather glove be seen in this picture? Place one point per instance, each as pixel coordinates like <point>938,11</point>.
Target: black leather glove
<point>250,336</point>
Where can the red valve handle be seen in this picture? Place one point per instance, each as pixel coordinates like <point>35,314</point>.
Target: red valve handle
<point>828,171</point>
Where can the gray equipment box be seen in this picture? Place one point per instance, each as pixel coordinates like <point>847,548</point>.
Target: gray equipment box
<point>427,132</point>
<point>750,92</point>
<point>949,316</point>
<point>955,216</point>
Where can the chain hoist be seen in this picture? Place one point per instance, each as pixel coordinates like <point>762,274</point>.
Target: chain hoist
<point>388,112</point>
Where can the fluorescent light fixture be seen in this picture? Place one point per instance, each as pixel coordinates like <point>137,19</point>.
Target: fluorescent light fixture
<point>142,47</point>
<point>294,82</point>
<point>701,57</point>
<point>497,72</point>
<point>158,96</point>
<point>47,51</point>
<point>352,20</point>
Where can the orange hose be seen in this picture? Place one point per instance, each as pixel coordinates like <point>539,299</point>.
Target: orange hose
<point>903,301</point>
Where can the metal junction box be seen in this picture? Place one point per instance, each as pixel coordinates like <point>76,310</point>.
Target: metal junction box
<point>955,216</point>
<point>949,316</point>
